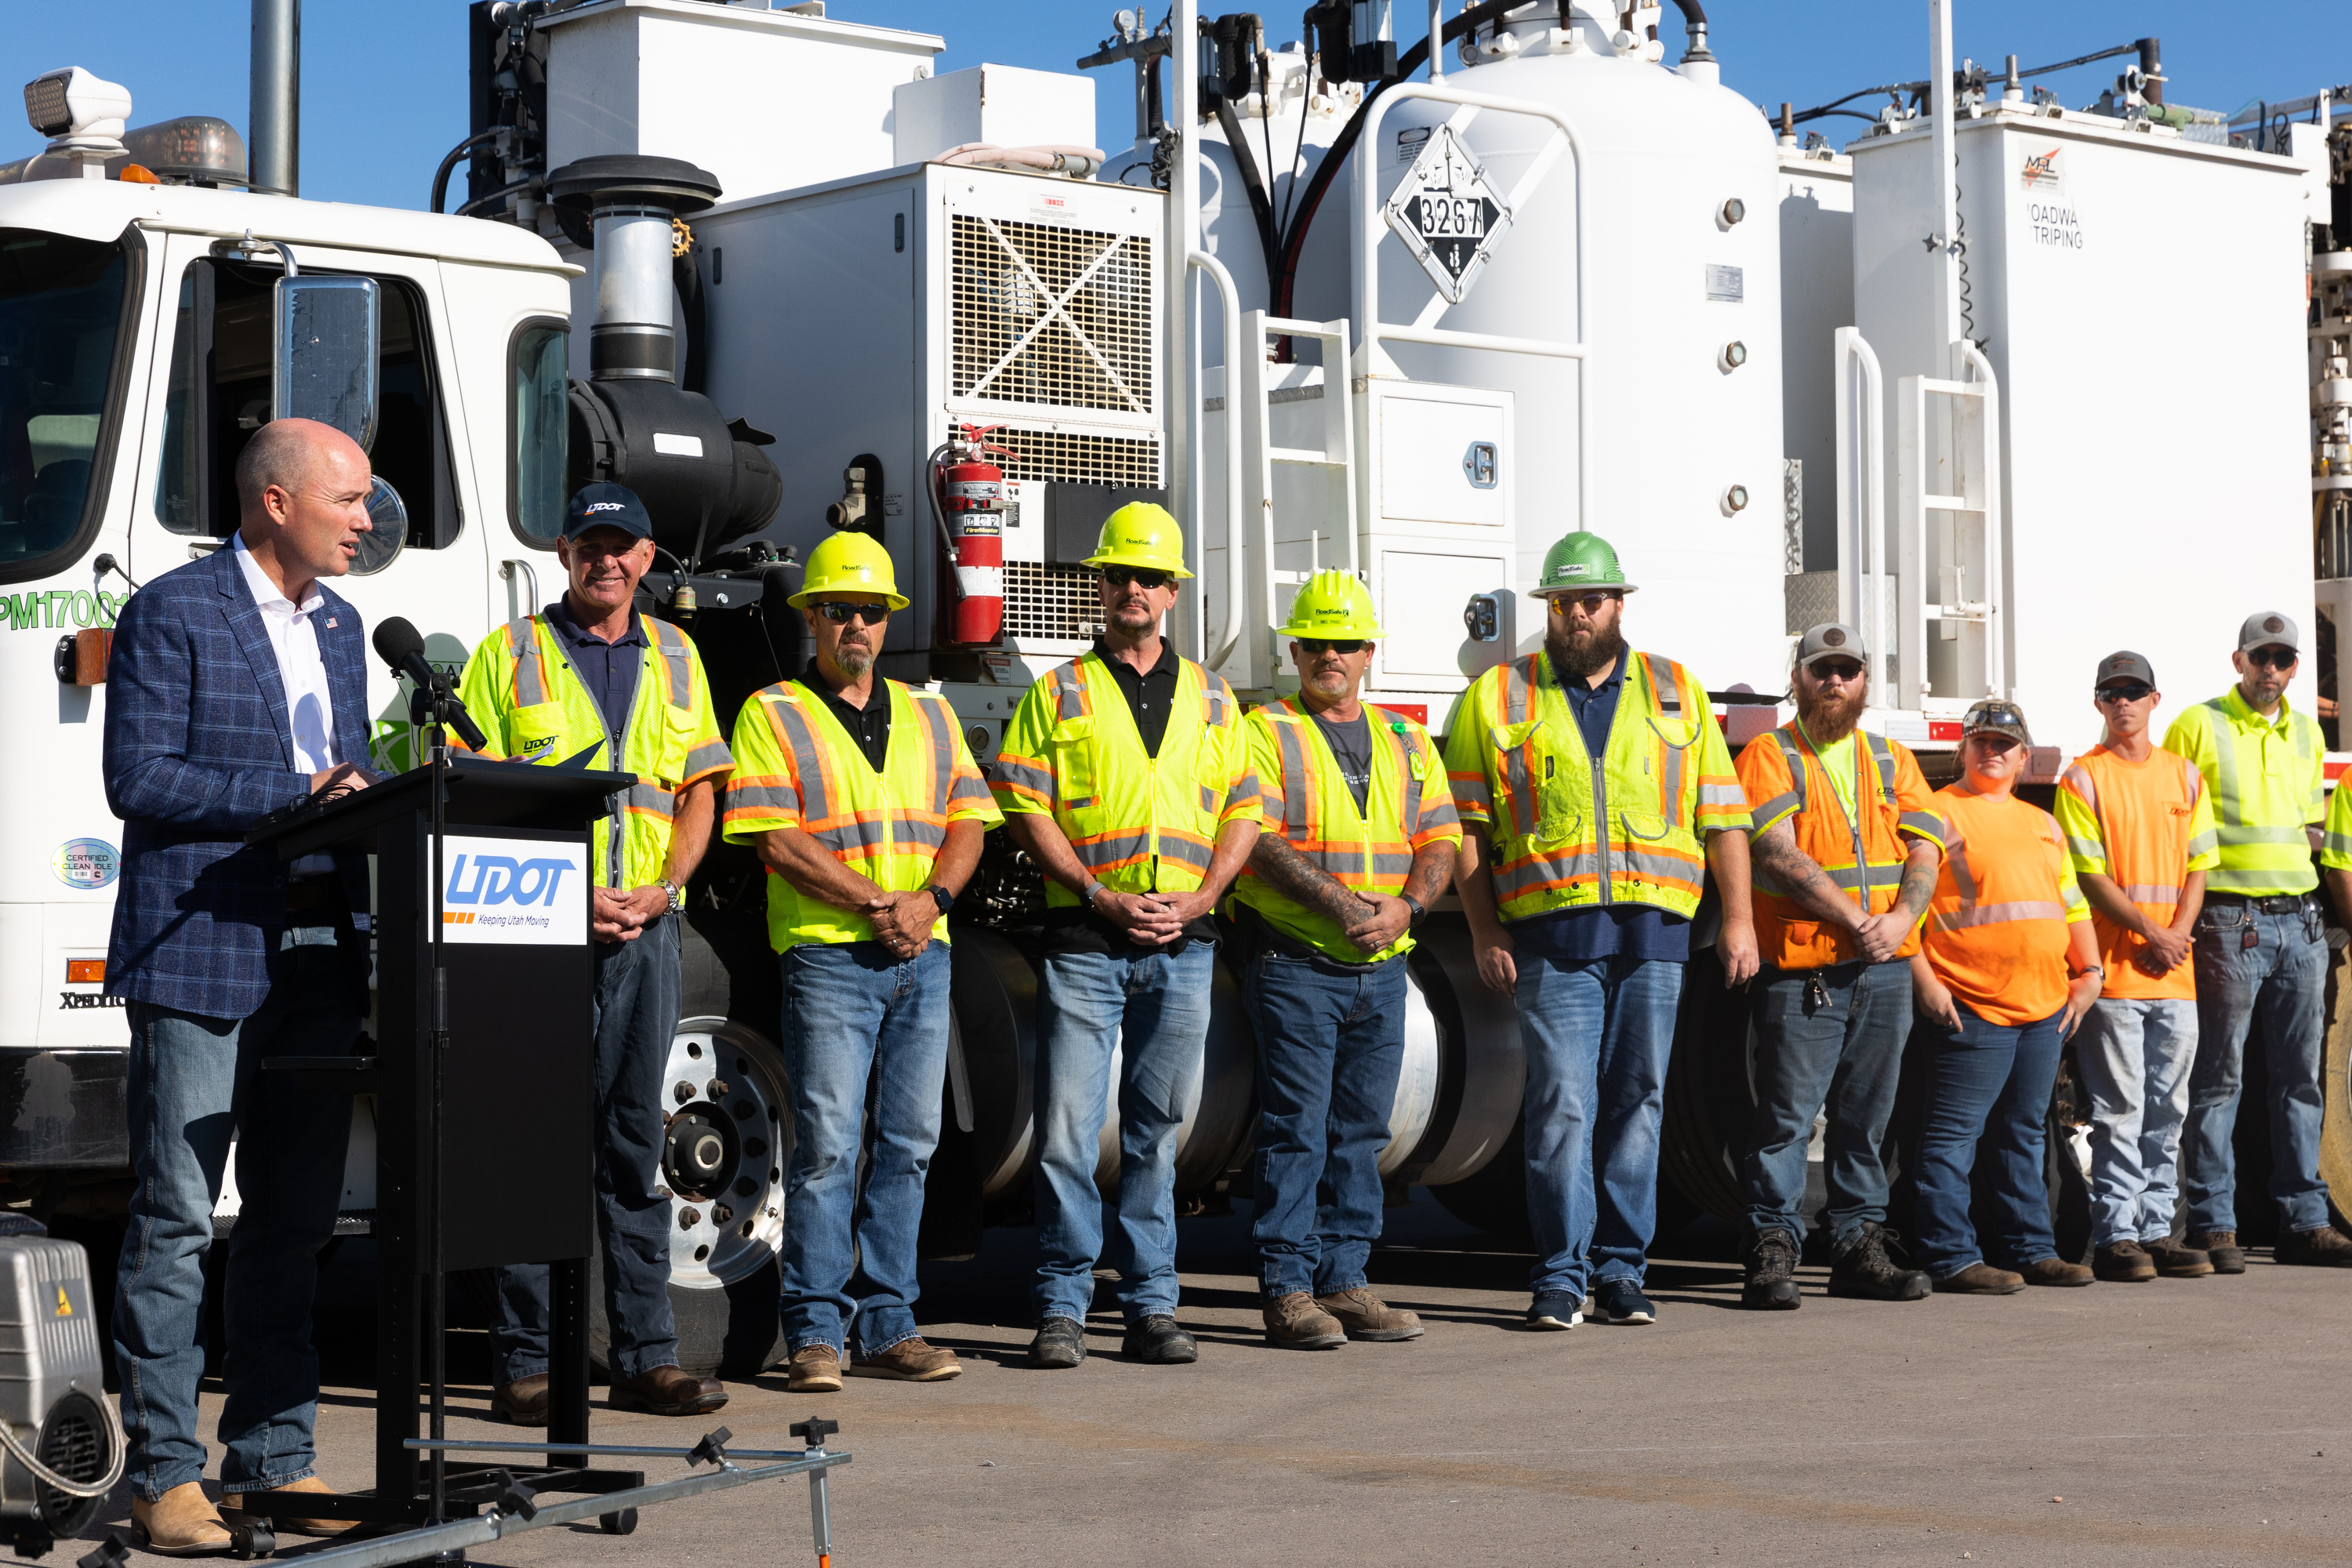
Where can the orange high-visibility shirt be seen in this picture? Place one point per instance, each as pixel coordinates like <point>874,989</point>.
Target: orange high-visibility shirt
<point>1997,926</point>
<point>2145,825</point>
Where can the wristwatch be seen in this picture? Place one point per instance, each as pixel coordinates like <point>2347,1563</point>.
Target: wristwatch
<point>945,900</point>
<point>1092,891</point>
<point>677,895</point>
<point>1414,905</point>
<point>2098,969</point>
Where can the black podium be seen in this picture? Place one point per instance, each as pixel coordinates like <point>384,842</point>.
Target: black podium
<point>490,1159</point>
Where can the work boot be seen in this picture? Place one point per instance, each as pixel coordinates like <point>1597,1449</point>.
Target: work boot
<point>183,1522</point>
<point>1863,1269</point>
<point>2221,1249</point>
<point>668,1391</point>
<point>1366,1317</point>
<point>814,1368</point>
<point>235,1516</point>
<point>2327,1246</point>
<point>1157,1340</point>
<point>1770,1257</point>
<point>2175,1261</point>
<point>1298,1322</point>
<point>2125,1262</point>
<point>2056,1271</point>
<point>523,1401</point>
<point>1981,1279</point>
<point>909,1360</point>
<point>1060,1342</point>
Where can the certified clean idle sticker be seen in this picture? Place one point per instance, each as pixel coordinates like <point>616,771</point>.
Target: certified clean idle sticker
<point>514,891</point>
<point>85,863</point>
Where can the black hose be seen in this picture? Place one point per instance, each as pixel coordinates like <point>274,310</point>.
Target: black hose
<point>687,278</point>
<point>449,164</point>
<point>1260,198</point>
<point>1694,27</point>
<point>501,193</point>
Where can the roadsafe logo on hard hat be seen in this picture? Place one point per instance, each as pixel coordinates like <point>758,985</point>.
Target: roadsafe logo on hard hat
<point>520,890</point>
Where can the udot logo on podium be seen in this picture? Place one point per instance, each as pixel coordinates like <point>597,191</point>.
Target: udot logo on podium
<point>516,892</point>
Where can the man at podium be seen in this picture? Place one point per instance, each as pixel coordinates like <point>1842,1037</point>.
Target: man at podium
<point>592,682</point>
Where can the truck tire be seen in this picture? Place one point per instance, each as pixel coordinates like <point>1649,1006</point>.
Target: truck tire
<point>2336,1087</point>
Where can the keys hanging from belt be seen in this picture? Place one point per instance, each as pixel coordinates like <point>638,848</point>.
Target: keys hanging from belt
<point>1817,996</point>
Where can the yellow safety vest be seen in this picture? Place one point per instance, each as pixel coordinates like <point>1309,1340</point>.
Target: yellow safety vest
<point>796,766</point>
<point>2269,779</point>
<point>1139,823</point>
<point>533,707</point>
<point>1406,807</point>
<point>1567,834</point>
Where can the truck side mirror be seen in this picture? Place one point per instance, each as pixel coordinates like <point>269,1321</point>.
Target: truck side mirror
<point>327,336</point>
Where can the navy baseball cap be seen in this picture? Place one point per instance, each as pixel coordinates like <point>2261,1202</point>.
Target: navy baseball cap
<point>607,506</point>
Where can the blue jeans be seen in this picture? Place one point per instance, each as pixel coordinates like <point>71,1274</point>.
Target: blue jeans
<point>866,1037</point>
<point>634,1018</point>
<point>1844,1050</point>
<point>1597,1036</point>
<point>2285,977</point>
<point>1152,1010</point>
<point>1987,1083</point>
<point>193,1081</point>
<point>1329,1051</point>
<point>2134,1057</point>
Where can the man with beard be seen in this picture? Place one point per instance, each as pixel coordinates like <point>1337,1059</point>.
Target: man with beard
<point>2262,943</point>
<point>1846,841</point>
<point>1126,776</point>
<point>591,680</point>
<point>1358,841</point>
<point>1588,778</point>
<point>868,812</point>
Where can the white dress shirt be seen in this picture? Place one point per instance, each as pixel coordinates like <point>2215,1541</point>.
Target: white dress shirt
<point>310,706</point>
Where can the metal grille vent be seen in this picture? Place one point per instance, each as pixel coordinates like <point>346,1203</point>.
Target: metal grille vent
<point>1051,604</point>
<point>1045,314</point>
<point>1071,459</point>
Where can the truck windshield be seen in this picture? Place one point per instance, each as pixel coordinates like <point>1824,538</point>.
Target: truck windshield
<point>60,313</point>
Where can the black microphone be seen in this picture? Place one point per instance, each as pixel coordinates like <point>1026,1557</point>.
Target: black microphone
<point>399,645</point>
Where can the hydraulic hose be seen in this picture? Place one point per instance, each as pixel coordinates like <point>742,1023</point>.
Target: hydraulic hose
<point>1261,195</point>
<point>449,165</point>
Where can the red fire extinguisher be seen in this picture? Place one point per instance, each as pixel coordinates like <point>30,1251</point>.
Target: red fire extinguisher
<point>971,493</point>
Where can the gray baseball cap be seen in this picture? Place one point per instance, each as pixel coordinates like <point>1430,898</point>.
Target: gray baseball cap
<point>2122,666</point>
<point>1994,716</point>
<point>1830,640</point>
<point>2264,628</point>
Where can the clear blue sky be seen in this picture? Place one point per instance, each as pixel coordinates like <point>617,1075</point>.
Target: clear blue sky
<point>384,80</point>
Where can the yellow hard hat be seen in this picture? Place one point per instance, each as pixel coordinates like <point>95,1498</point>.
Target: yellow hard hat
<point>1141,534</point>
<point>848,563</point>
<point>1332,604</point>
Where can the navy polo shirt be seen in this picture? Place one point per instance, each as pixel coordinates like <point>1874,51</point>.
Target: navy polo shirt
<point>608,669</point>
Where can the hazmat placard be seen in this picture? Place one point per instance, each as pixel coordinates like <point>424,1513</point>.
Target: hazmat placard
<point>515,891</point>
<point>1447,215</point>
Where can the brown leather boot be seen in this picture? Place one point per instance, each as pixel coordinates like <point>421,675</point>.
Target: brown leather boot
<point>1981,1279</point>
<point>2326,1245</point>
<point>523,1401</point>
<point>910,1360</point>
<point>183,1522</point>
<point>668,1391</point>
<point>813,1369</point>
<point>2056,1271</point>
<point>2175,1261</point>
<point>2124,1262</point>
<point>2221,1248</point>
<point>1366,1317</point>
<point>233,1516</point>
<point>1298,1323</point>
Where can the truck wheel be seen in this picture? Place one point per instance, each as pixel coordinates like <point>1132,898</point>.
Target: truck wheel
<point>2336,1087</point>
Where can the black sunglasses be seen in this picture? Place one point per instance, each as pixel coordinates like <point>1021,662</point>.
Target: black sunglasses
<point>2130,693</point>
<point>1835,669</point>
<point>1592,602</point>
<point>840,611</point>
<point>2273,656</point>
<point>1332,645</point>
<point>1137,576</point>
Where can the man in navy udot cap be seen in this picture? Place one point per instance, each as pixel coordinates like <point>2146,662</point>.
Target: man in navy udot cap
<point>590,679</point>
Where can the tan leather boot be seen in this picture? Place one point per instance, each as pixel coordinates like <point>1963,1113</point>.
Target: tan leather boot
<point>183,1522</point>
<point>813,1369</point>
<point>1366,1317</point>
<point>523,1402</point>
<point>1296,1322</point>
<point>234,1516</point>
<point>910,1360</point>
<point>668,1391</point>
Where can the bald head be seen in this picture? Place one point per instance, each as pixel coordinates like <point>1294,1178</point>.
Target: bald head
<point>302,492</point>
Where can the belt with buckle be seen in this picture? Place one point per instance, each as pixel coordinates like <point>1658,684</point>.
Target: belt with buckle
<point>2268,904</point>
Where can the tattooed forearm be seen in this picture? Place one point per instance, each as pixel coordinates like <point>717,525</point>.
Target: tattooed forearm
<point>1432,869</point>
<point>1296,877</point>
<point>1918,878</point>
<point>1791,870</point>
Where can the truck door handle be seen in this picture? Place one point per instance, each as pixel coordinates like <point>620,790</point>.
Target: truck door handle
<point>507,570</point>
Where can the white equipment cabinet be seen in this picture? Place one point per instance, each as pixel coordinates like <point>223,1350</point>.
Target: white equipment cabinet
<point>2150,468</point>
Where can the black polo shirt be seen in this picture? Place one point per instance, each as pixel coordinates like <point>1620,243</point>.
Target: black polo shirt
<point>1149,693</point>
<point>868,726</point>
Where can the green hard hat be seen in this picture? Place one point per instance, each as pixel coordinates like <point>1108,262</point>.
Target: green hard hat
<point>1580,562</point>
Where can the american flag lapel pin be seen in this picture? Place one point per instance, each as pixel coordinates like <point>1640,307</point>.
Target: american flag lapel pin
<point>331,623</point>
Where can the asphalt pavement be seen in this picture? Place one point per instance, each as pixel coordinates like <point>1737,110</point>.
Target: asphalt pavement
<point>2194,1422</point>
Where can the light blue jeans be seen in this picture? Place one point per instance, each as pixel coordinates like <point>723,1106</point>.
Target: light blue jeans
<point>2135,1056</point>
<point>2285,977</point>
<point>1152,1009</point>
<point>866,1037</point>
<point>193,1081</point>
<point>1598,1035</point>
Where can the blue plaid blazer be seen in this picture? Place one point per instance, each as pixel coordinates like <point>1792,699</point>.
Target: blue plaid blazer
<point>198,748</point>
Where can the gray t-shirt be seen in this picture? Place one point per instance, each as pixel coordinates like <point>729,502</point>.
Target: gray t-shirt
<point>1351,748</point>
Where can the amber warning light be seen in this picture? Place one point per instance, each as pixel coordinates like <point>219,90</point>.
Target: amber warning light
<point>85,972</point>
